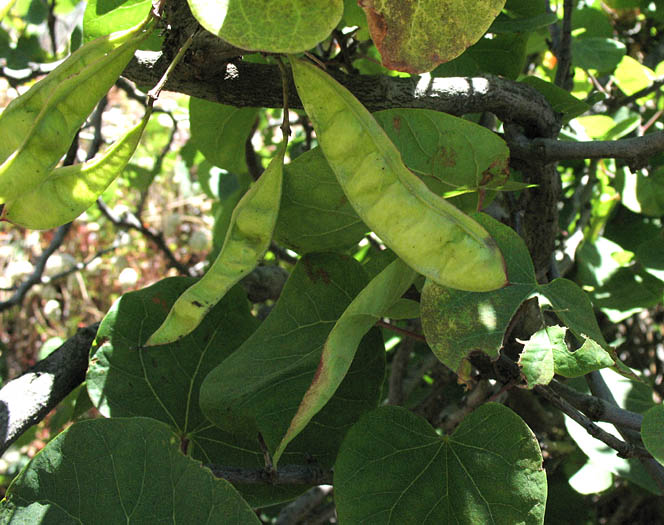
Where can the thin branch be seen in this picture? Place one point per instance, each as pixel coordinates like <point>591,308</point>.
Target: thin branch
<point>600,389</point>
<point>625,450</point>
<point>26,400</point>
<point>402,331</point>
<point>131,222</point>
<point>302,507</point>
<point>564,49</point>
<point>634,150</point>
<point>597,409</point>
<point>286,475</point>
<point>615,103</point>
<point>36,276</point>
<point>398,371</point>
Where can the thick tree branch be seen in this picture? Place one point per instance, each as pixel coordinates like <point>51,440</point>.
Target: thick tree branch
<point>246,84</point>
<point>26,400</point>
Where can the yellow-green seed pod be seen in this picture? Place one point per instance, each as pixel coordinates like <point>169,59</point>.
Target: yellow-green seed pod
<point>37,128</point>
<point>70,190</point>
<point>430,234</point>
<point>247,239</point>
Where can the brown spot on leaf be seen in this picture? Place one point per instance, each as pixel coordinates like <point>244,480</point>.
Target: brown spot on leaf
<point>197,304</point>
<point>446,157</point>
<point>396,122</point>
<point>160,302</point>
<point>316,273</point>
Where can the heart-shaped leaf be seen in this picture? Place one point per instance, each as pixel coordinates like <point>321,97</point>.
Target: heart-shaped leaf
<point>393,468</point>
<point>120,471</point>
<point>457,323</point>
<point>128,379</point>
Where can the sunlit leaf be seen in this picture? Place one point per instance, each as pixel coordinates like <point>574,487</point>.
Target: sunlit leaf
<point>417,36</point>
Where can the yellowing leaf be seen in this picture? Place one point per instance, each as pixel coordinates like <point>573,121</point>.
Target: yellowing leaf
<point>416,35</point>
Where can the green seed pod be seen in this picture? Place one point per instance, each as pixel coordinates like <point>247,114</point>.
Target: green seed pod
<point>430,234</point>
<point>70,190</point>
<point>247,239</point>
<point>37,128</point>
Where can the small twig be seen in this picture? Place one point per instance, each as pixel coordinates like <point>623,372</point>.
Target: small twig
<point>285,77</point>
<point>153,94</point>
<point>36,276</point>
<point>269,465</point>
<point>50,22</point>
<point>131,222</point>
<point>402,331</point>
<point>615,103</point>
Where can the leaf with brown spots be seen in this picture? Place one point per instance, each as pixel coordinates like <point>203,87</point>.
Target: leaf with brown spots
<point>416,35</point>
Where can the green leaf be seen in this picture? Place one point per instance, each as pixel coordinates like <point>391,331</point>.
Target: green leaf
<point>546,353</point>
<point>220,132</point>
<point>417,36</point>
<point>314,214</point>
<point>127,379</point>
<point>591,356</point>
<point>277,26</point>
<point>536,359</point>
<point>504,54</point>
<point>447,152</point>
<point>561,101</point>
<point>652,432</point>
<point>342,342</point>
<point>600,54</point>
<point>505,24</point>
<point>260,386</point>
<point>457,323</point>
<point>393,468</point>
<point>573,307</point>
<point>120,471</point>
<point>650,255</point>
<point>640,192</point>
<point>403,309</point>
<point>103,17</point>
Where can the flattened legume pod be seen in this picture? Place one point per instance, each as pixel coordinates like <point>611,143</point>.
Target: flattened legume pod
<point>430,234</point>
<point>247,239</point>
<point>37,128</point>
<point>70,190</point>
